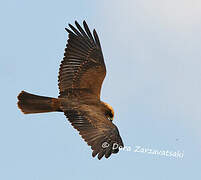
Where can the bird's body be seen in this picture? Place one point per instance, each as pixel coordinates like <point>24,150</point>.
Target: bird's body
<point>81,74</point>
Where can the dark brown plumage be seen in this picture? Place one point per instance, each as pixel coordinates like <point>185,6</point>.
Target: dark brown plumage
<point>81,74</point>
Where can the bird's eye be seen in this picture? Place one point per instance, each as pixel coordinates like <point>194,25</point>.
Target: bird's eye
<point>109,116</point>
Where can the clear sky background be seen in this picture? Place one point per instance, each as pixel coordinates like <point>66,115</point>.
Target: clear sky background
<point>152,50</point>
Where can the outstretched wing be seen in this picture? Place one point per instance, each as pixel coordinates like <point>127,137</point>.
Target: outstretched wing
<point>83,65</point>
<point>102,135</point>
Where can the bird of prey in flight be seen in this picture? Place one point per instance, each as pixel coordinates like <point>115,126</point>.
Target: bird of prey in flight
<point>81,74</point>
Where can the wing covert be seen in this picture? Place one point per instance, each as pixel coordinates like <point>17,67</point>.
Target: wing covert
<point>103,136</point>
<point>83,64</point>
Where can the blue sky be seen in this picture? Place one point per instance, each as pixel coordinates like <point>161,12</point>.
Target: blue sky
<point>153,58</point>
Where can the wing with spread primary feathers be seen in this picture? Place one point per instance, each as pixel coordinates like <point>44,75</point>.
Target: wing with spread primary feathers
<point>83,65</point>
<point>99,133</point>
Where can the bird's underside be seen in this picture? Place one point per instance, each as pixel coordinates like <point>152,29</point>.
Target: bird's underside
<point>81,74</point>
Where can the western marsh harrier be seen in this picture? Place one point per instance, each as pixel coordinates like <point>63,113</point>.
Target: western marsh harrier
<point>81,74</point>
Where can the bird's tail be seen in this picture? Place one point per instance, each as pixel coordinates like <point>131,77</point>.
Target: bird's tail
<point>30,103</point>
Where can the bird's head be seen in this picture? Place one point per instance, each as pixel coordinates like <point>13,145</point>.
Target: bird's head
<point>109,113</point>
